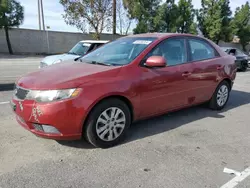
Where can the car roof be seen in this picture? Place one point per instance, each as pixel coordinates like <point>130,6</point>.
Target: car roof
<point>160,35</point>
<point>95,41</point>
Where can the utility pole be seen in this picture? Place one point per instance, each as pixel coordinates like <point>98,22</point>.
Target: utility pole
<point>114,17</point>
<point>42,14</point>
<point>39,15</point>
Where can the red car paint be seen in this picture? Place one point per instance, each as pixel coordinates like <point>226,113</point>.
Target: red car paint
<point>150,92</point>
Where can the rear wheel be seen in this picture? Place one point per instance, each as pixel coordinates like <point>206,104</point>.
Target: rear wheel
<point>220,96</point>
<point>107,123</point>
<point>243,67</point>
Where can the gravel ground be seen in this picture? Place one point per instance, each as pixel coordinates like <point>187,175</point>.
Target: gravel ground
<point>189,148</point>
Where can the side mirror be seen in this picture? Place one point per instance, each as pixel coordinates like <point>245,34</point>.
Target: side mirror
<point>156,61</point>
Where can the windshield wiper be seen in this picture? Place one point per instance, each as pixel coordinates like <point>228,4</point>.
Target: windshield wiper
<point>100,63</point>
<point>76,59</point>
<point>72,53</point>
<point>96,63</point>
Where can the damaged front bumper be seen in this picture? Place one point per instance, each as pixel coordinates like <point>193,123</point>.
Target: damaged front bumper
<point>57,120</point>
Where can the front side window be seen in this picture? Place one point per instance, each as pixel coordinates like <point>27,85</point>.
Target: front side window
<point>81,48</point>
<point>201,50</point>
<point>119,52</point>
<point>173,50</point>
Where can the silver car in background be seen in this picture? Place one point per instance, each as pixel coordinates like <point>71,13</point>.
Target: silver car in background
<point>80,49</point>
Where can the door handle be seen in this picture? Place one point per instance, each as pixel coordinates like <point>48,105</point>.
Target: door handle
<point>185,74</point>
<point>219,67</point>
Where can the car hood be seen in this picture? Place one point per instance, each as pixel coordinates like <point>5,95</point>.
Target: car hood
<point>49,60</point>
<point>67,75</point>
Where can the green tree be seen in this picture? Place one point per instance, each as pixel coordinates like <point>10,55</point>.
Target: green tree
<point>11,15</point>
<point>241,24</point>
<point>214,20</point>
<point>165,20</point>
<point>94,13</point>
<point>185,19</point>
<point>144,12</point>
<point>193,28</point>
<point>226,29</point>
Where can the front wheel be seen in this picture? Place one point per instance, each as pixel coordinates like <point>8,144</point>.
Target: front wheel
<point>107,123</point>
<point>220,96</point>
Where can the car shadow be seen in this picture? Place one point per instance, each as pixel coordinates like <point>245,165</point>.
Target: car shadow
<point>82,144</point>
<point>173,120</point>
<point>176,119</point>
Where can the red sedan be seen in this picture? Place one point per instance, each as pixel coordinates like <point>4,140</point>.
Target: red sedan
<point>131,78</point>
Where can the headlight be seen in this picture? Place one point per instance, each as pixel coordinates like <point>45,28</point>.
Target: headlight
<point>52,95</point>
<point>57,61</point>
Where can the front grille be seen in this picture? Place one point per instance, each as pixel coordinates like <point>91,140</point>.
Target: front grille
<point>21,93</point>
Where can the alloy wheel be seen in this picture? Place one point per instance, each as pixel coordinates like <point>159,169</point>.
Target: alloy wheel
<point>222,95</point>
<point>110,124</point>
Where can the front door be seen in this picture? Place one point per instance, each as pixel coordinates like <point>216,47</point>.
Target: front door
<point>167,88</point>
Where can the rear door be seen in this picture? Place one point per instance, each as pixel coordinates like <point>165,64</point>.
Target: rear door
<point>207,65</point>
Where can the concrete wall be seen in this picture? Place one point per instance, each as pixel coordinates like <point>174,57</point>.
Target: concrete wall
<point>26,41</point>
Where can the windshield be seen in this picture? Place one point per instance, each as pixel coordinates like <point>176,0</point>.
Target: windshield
<point>80,48</point>
<point>119,52</point>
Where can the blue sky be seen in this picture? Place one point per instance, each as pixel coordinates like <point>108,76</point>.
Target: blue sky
<point>53,11</point>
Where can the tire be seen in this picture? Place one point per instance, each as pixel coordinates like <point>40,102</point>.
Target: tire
<point>214,103</point>
<point>243,67</point>
<point>97,121</point>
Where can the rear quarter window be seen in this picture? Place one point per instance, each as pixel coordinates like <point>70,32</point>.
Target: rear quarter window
<point>201,50</point>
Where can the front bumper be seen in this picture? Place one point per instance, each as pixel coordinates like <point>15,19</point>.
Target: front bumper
<point>62,115</point>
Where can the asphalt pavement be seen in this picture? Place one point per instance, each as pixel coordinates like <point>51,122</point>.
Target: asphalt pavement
<point>190,148</point>
<point>13,67</point>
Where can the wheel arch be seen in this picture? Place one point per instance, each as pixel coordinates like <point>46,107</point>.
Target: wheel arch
<point>120,97</point>
<point>229,82</point>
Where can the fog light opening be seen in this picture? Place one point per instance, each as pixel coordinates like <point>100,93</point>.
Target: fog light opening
<point>38,127</point>
<point>50,129</point>
<point>46,128</point>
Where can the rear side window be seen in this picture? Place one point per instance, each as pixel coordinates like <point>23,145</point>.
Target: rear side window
<point>201,50</point>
